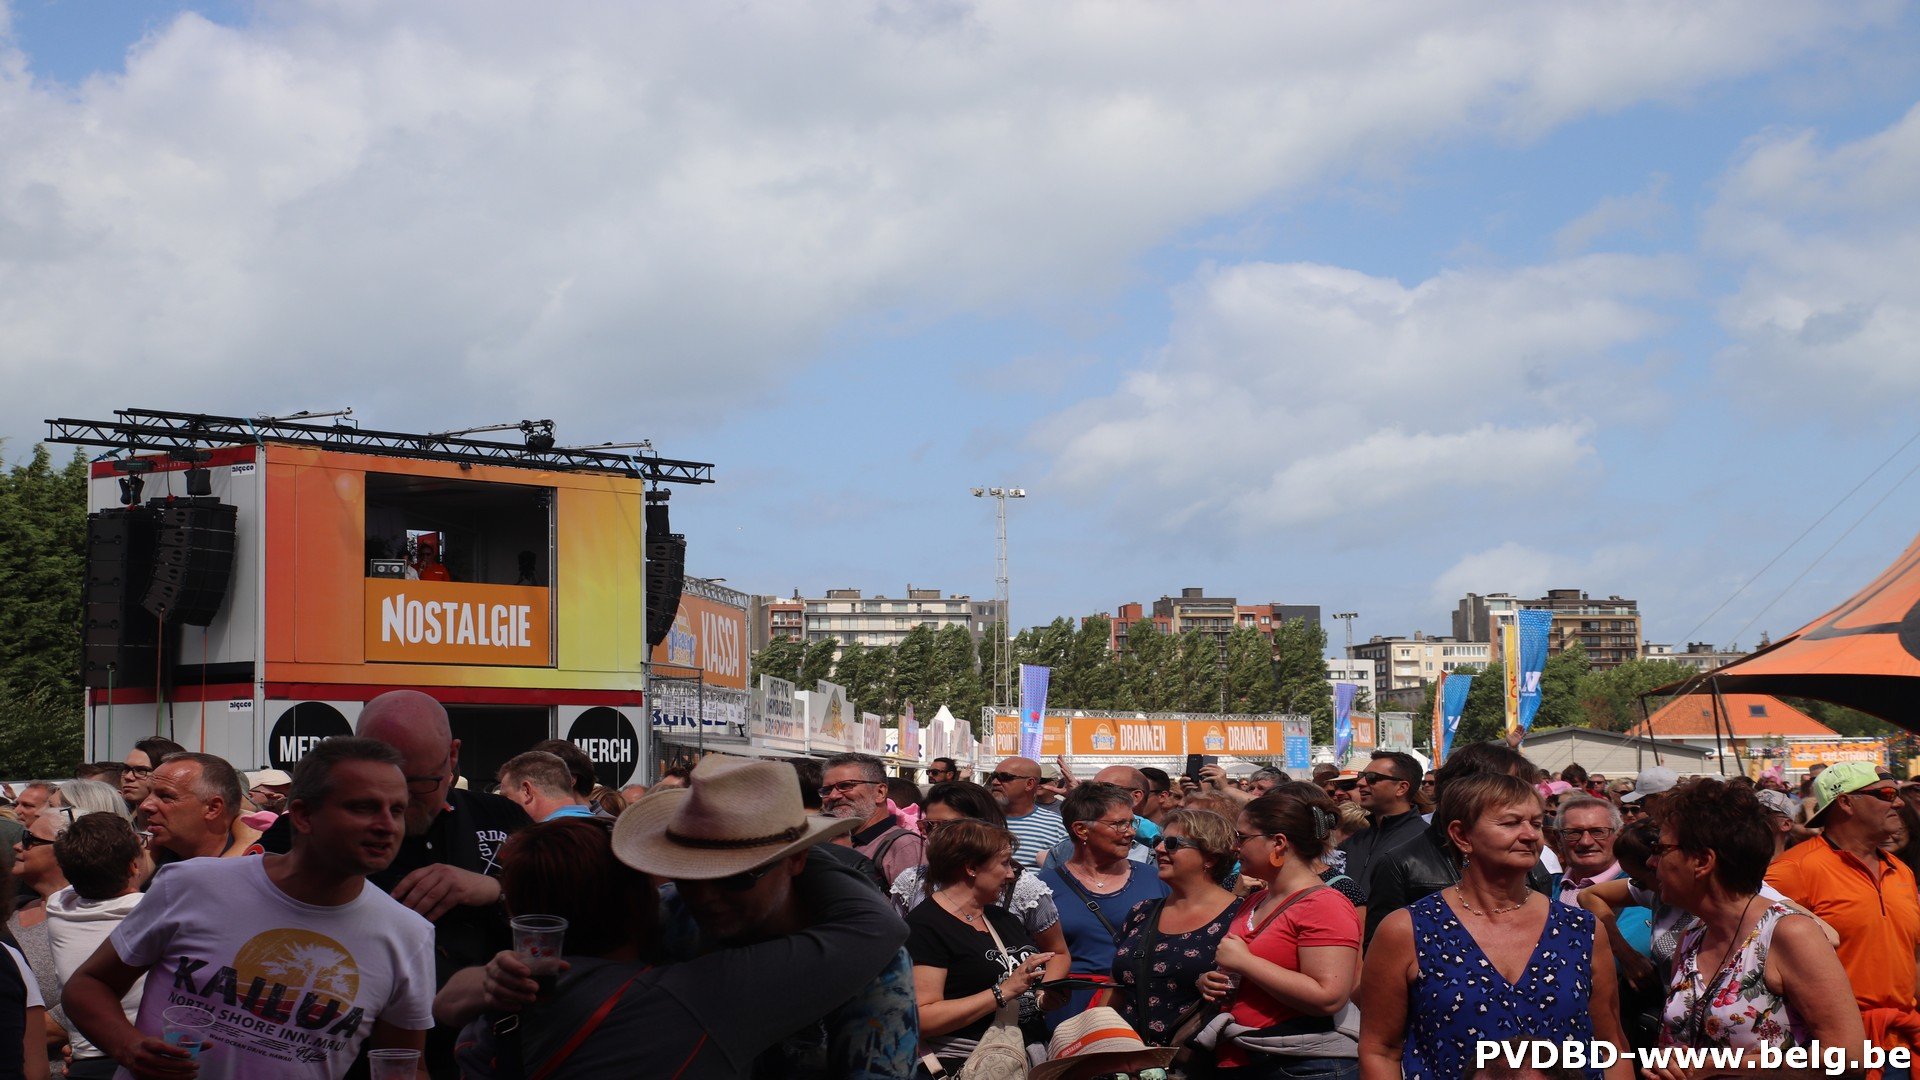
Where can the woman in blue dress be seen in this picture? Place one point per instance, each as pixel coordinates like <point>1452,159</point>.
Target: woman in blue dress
<point>1487,960</point>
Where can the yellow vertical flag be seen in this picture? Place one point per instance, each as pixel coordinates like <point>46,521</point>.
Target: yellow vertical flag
<point>1437,748</point>
<point>1510,657</point>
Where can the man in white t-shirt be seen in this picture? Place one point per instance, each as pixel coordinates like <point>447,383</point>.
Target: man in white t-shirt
<point>285,964</point>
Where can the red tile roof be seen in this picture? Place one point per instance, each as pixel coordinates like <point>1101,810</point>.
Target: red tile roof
<point>1747,716</point>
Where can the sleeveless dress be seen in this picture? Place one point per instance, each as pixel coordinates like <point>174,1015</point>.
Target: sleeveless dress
<point>1732,1006</point>
<point>1459,997</point>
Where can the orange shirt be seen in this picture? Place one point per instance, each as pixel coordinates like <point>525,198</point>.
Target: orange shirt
<point>1878,921</point>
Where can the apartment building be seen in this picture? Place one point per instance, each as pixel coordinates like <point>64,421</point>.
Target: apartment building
<point>1408,664</point>
<point>848,615</point>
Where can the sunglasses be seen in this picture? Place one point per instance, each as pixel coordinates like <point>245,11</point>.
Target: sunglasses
<point>1008,778</point>
<point>744,881</point>
<point>1884,794</point>
<point>1177,844</point>
<point>1377,778</point>
<point>28,842</point>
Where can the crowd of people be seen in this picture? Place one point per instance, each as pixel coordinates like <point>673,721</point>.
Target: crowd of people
<point>170,917</point>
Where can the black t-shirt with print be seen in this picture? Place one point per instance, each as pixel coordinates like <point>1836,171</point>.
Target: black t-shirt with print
<point>935,938</point>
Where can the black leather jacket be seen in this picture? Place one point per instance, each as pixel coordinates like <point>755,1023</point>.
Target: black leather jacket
<point>1421,866</point>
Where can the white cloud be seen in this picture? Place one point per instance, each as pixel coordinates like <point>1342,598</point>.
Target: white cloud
<point>1828,310</point>
<point>1639,214</point>
<point>1528,572</point>
<point>1299,393</point>
<point>631,213</point>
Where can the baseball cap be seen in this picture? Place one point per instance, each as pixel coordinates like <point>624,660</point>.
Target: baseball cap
<point>269,778</point>
<point>1843,779</point>
<point>1655,781</point>
<point>1778,802</point>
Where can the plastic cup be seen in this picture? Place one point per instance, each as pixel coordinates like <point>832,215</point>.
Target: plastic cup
<point>186,1027</point>
<point>393,1064</point>
<point>537,940</point>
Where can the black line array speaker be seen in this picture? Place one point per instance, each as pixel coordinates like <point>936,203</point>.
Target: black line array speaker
<point>666,557</point>
<point>119,639</point>
<point>192,560</point>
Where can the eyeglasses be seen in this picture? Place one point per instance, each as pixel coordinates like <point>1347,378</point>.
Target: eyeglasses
<point>1378,778</point>
<point>427,785</point>
<point>843,787</point>
<point>1176,844</point>
<point>1119,826</point>
<point>743,881</point>
<point>1884,794</point>
<point>1599,833</point>
<point>137,771</point>
<point>1008,777</point>
<point>1243,837</point>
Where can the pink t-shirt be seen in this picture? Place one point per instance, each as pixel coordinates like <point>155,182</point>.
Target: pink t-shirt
<point>1324,919</point>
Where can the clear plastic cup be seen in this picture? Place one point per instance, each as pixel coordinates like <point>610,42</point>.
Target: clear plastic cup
<point>391,1064</point>
<point>537,940</point>
<point>186,1027</point>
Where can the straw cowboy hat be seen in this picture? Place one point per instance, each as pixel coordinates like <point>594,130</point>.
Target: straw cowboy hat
<point>736,815</point>
<point>1099,1036</point>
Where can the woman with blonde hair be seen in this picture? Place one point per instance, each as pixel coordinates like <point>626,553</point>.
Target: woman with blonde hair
<point>1168,943</point>
<point>1488,958</point>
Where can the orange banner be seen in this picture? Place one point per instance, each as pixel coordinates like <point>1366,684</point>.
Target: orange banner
<point>1123,737</point>
<point>1247,738</point>
<point>1053,736</point>
<point>709,637</point>
<point>448,622</point>
<point>1363,732</point>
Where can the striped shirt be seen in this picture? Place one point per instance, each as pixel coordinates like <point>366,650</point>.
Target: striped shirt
<point>1036,832</point>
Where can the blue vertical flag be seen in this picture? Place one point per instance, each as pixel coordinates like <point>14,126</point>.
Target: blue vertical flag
<point>1451,706</point>
<point>1033,708</point>
<point>1534,627</point>
<point>1343,694</point>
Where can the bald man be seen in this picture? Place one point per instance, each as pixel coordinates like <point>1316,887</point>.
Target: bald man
<point>447,862</point>
<point>1145,832</point>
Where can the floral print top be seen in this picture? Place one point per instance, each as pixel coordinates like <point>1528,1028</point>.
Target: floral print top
<point>1173,972</point>
<point>1732,1006</point>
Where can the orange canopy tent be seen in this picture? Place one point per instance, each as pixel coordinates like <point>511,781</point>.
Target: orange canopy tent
<point>1864,654</point>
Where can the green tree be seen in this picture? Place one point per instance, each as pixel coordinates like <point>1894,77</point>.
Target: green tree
<point>916,675</point>
<point>779,658</point>
<point>1560,683</point>
<point>43,541</point>
<point>956,679</point>
<point>1149,668</point>
<point>1096,673</point>
<point>853,671</point>
<point>1300,660</point>
<point>1609,698</point>
<point>1849,722</point>
<point>818,662</point>
<point>1250,670</point>
<point>1485,715</point>
<point>1197,680</point>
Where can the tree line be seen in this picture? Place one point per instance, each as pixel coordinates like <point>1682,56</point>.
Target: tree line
<point>1158,672</point>
<point>43,557</point>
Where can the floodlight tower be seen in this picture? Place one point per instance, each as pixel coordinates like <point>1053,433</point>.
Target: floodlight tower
<point>1348,617</point>
<point>1002,649</point>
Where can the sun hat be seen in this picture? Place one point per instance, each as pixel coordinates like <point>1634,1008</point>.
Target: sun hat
<point>1098,1035</point>
<point>1657,780</point>
<point>735,815</point>
<point>1843,779</point>
<point>269,778</point>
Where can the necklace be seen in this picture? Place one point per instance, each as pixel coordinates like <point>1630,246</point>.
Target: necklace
<point>1702,1001</point>
<point>1462,896</point>
<point>1090,875</point>
<point>954,908</point>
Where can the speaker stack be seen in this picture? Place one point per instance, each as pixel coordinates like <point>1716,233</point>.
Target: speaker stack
<point>192,560</point>
<point>666,558</point>
<point>120,639</point>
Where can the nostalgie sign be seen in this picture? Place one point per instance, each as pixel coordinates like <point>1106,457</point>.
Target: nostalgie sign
<point>452,622</point>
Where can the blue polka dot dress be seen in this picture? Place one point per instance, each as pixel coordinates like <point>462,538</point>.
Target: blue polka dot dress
<point>1459,998</point>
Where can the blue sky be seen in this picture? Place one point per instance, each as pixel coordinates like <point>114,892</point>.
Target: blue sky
<point>1362,307</point>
